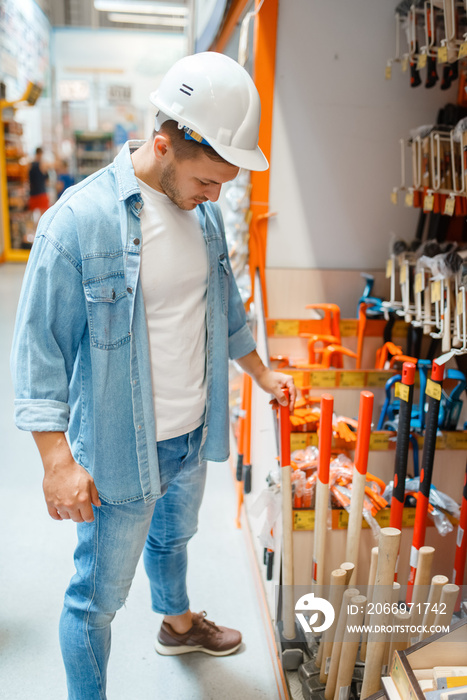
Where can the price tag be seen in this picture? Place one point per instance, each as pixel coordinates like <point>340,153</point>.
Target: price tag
<point>443,54</point>
<point>428,202</point>
<point>389,268</point>
<point>409,199</point>
<point>422,59</point>
<point>419,282</point>
<point>298,441</point>
<point>348,327</point>
<point>285,327</point>
<point>436,291</point>
<point>379,441</point>
<point>323,379</point>
<point>463,50</point>
<point>402,391</point>
<point>377,379</point>
<point>394,196</point>
<point>433,389</point>
<point>303,519</point>
<point>456,440</point>
<point>388,72</point>
<point>450,206</point>
<point>403,274</point>
<point>405,64</point>
<point>460,303</point>
<point>352,379</point>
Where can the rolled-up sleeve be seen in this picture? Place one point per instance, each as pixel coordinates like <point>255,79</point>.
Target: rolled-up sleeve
<point>50,322</point>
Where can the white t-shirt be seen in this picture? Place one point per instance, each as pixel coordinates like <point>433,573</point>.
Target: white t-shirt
<point>174,269</point>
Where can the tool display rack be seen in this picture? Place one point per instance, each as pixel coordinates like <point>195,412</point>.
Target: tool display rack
<point>94,150</point>
<point>17,222</point>
<point>436,36</point>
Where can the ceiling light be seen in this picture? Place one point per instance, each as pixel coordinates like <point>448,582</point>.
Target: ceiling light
<point>146,19</point>
<point>150,8</point>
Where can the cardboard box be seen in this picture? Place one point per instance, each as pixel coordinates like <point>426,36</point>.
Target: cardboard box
<point>443,649</point>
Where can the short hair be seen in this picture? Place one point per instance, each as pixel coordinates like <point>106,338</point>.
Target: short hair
<point>39,151</point>
<point>186,149</point>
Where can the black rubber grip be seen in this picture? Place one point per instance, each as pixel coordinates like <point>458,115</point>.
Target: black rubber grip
<point>402,446</point>
<point>239,468</point>
<point>269,564</point>
<point>464,493</point>
<point>429,444</point>
<point>247,478</point>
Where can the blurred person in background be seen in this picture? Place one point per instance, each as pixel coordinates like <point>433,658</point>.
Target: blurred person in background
<point>64,178</point>
<point>38,180</point>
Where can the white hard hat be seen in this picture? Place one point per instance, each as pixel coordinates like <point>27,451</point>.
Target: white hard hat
<point>214,99</point>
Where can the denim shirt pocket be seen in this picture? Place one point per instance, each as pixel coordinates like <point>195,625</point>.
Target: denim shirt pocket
<point>224,273</point>
<point>108,316</point>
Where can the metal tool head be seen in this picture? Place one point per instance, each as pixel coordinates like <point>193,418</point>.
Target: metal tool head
<point>307,670</point>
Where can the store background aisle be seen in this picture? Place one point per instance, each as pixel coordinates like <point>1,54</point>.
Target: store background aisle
<point>36,564</point>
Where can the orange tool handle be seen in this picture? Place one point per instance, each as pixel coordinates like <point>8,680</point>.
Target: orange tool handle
<point>325,437</point>
<point>284,432</point>
<point>362,448</point>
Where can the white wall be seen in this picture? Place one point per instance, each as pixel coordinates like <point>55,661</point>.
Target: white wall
<point>336,129</point>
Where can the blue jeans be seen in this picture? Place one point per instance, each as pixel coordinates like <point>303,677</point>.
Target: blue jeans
<point>106,556</point>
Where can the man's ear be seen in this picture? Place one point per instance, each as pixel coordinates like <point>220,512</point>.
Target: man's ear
<point>161,146</point>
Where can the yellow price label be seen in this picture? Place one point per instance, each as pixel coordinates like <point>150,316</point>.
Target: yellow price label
<point>405,64</point>
<point>300,378</point>
<point>443,54</point>
<point>436,291</point>
<point>298,441</point>
<point>304,520</point>
<point>422,59</point>
<point>403,274</point>
<point>409,199</point>
<point>352,379</point>
<point>460,303</point>
<point>377,379</point>
<point>450,206</point>
<point>419,282</point>
<point>380,441</point>
<point>389,268</point>
<point>456,440</point>
<point>388,72</point>
<point>428,202</point>
<point>323,379</point>
<point>285,327</point>
<point>463,50</point>
<point>433,389</point>
<point>394,196</point>
<point>348,327</point>
<point>402,391</point>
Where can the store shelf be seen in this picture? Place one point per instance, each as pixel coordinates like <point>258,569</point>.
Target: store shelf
<point>94,150</point>
<point>304,519</point>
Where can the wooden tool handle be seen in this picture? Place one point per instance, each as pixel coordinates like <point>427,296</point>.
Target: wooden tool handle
<point>446,606</point>
<point>362,447</point>
<point>388,548</point>
<point>350,644</point>
<point>369,595</point>
<point>337,645</point>
<point>436,588</point>
<point>336,591</point>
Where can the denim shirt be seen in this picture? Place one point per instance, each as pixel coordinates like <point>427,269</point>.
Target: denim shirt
<point>80,355</point>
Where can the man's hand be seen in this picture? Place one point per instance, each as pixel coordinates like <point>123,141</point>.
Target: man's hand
<point>275,383</point>
<point>69,490</point>
<point>272,382</point>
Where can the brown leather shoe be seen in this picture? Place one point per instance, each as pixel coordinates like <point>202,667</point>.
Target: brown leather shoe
<point>203,636</point>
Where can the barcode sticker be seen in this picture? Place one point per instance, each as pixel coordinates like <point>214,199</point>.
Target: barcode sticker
<point>402,391</point>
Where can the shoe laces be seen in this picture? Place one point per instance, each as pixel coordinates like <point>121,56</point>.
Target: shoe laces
<point>204,620</point>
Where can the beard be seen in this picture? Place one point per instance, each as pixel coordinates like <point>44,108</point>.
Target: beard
<point>168,182</point>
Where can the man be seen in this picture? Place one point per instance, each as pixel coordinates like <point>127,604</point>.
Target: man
<point>127,317</point>
<point>38,176</point>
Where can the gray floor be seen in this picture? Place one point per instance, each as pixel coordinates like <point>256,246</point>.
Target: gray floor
<point>36,563</point>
